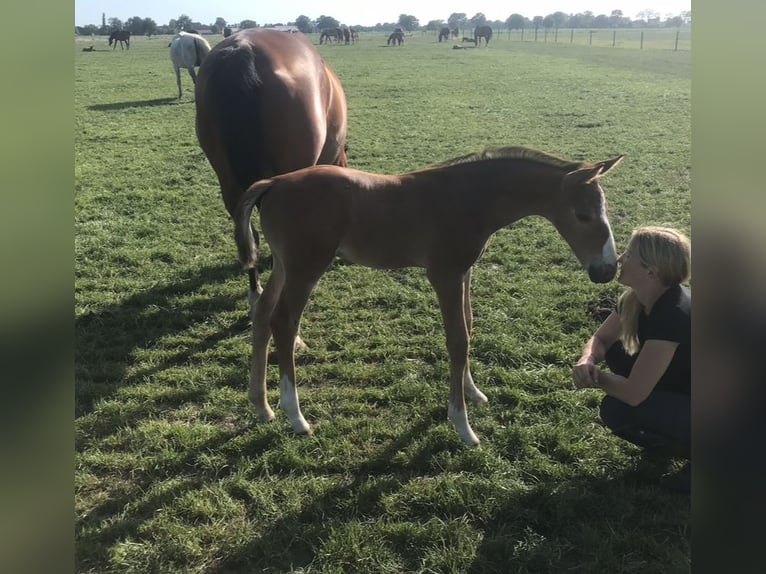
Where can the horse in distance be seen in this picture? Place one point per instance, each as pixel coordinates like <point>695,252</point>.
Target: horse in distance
<point>439,218</point>
<point>121,36</point>
<point>444,34</point>
<point>396,38</point>
<point>480,32</point>
<point>267,104</point>
<point>187,51</point>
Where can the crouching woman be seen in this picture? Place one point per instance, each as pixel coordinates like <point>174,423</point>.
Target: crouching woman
<point>646,344</point>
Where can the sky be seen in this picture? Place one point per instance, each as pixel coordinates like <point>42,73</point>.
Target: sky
<point>350,12</point>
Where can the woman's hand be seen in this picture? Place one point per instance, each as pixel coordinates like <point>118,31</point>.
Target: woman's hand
<point>584,374</point>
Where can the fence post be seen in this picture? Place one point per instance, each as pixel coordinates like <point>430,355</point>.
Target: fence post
<point>590,40</point>
<point>642,40</point>
<point>677,33</point>
<point>545,36</point>
<point>535,34</point>
<point>522,34</point>
<point>571,35</point>
<point>614,37</point>
<point>556,37</point>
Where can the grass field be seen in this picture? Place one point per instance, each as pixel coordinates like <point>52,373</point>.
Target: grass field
<point>172,472</point>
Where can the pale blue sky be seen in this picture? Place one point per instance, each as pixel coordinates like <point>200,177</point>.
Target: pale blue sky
<point>363,12</point>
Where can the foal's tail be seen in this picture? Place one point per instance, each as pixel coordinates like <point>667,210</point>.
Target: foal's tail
<point>243,230</point>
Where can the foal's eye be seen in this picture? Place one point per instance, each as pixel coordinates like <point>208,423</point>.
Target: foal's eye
<point>583,217</point>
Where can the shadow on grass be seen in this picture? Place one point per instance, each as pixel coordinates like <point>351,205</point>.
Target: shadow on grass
<point>106,340</point>
<point>139,104</point>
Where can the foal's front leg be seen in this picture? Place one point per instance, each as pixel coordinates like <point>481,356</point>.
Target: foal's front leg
<point>449,289</point>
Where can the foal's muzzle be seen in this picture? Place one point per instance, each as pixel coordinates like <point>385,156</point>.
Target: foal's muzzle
<point>601,272</point>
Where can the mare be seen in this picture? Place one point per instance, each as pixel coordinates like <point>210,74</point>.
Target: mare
<point>121,36</point>
<point>482,32</point>
<point>395,38</point>
<point>444,34</point>
<point>354,35</point>
<point>266,104</point>
<point>439,218</point>
<point>187,51</point>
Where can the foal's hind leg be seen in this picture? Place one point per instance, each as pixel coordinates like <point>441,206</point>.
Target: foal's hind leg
<point>284,325</point>
<point>261,333</point>
<point>471,390</point>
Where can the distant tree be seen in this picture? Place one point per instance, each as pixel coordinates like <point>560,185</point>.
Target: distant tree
<point>408,22</point>
<point>434,25</point>
<point>303,23</point>
<point>183,22</point>
<point>327,22</point>
<point>602,21</point>
<point>560,19</point>
<point>457,20</point>
<point>537,21</point>
<point>115,24</point>
<point>515,22</point>
<point>218,25</point>
<point>248,24</point>
<point>548,22</point>
<point>674,22</point>
<point>478,19</point>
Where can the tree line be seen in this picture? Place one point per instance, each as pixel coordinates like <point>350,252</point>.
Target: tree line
<point>645,19</point>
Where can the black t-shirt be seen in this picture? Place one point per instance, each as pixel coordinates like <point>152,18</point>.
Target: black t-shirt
<point>671,320</point>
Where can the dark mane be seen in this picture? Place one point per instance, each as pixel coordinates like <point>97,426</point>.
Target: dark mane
<point>513,153</point>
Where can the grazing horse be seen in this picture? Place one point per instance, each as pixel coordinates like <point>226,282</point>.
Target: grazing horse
<point>354,35</point>
<point>439,218</point>
<point>267,103</point>
<point>396,38</point>
<point>335,34</point>
<point>187,51</point>
<point>121,36</point>
<point>482,32</point>
<point>455,33</point>
<point>444,34</point>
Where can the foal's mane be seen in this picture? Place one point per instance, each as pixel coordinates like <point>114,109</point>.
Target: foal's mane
<point>523,153</point>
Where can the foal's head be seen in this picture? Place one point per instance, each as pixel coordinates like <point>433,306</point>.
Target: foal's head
<point>582,220</point>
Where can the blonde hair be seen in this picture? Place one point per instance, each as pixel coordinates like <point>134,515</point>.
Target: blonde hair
<point>668,252</point>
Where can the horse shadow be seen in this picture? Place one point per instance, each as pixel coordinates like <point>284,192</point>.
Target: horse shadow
<point>106,341</point>
<point>138,104</point>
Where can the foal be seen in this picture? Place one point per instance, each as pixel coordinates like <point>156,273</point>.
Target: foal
<point>439,218</point>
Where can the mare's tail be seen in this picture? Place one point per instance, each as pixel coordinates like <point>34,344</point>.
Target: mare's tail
<point>243,230</point>
<point>233,98</point>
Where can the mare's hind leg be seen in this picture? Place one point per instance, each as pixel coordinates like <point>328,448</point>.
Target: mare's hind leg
<point>471,390</point>
<point>284,325</point>
<point>261,333</point>
<point>193,75</point>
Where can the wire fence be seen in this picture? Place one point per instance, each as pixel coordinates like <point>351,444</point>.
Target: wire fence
<point>643,39</point>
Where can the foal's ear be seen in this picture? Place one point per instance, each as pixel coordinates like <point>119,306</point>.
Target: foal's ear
<point>591,172</point>
<point>607,165</point>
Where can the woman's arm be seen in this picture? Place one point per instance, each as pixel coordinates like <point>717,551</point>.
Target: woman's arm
<point>651,363</point>
<point>595,351</point>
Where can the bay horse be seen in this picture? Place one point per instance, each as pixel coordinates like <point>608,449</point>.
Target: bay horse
<point>395,38</point>
<point>439,218</point>
<point>121,36</point>
<point>444,34</point>
<point>187,50</point>
<point>482,32</point>
<point>266,104</point>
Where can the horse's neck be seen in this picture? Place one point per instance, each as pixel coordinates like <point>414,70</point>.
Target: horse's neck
<point>508,191</point>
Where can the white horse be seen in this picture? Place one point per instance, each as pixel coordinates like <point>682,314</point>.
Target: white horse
<point>187,51</point>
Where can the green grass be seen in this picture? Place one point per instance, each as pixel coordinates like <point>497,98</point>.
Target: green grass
<point>173,474</point>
